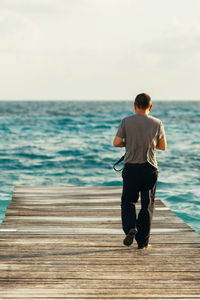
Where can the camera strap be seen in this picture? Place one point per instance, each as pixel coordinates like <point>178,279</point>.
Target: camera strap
<point>120,160</point>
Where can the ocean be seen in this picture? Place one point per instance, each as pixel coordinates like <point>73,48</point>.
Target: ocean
<point>70,143</point>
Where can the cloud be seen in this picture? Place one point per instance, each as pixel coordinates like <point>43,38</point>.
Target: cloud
<point>174,47</point>
<point>96,48</point>
<point>38,6</point>
<point>68,7</point>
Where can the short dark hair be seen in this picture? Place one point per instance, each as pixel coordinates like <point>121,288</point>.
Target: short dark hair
<point>143,101</point>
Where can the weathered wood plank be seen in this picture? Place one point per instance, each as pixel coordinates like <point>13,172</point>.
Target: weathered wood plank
<point>66,243</point>
<point>20,267</point>
<point>101,294</point>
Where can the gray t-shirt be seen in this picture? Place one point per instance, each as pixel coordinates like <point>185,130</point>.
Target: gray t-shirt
<point>141,134</point>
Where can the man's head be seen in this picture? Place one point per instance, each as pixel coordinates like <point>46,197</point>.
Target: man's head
<point>142,104</point>
<point>143,101</point>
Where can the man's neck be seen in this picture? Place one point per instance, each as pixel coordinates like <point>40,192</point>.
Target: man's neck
<point>142,112</point>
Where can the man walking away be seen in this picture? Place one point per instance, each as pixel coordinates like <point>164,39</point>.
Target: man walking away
<point>141,135</point>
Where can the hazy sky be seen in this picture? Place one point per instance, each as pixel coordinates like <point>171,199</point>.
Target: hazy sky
<point>99,49</point>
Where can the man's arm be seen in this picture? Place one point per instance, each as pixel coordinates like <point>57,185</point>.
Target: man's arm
<point>118,142</point>
<point>162,144</point>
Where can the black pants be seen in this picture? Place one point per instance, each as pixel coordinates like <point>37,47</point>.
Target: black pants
<point>138,179</point>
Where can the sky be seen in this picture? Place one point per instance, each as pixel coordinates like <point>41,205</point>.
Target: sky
<point>99,49</point>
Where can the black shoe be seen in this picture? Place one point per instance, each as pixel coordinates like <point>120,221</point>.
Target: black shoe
<point>144,247</point>
<point>130,236</point>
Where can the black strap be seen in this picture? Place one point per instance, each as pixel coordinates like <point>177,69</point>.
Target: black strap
<point>122,158</point>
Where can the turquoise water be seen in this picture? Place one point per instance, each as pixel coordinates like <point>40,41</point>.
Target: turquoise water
<point>70,143</point>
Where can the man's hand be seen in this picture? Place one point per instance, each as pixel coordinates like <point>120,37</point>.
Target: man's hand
<point>118,142</point>
<point>162,144</point>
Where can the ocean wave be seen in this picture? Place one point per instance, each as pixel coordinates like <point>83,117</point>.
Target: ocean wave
<point>61,143</point>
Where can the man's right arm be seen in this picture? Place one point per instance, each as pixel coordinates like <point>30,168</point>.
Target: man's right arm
<point>162,144</point>
<point>118,142</point>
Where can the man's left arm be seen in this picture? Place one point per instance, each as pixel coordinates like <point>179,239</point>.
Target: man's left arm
<point>162,142</point>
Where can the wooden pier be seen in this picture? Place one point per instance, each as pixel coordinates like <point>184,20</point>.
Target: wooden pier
<point>66,243</point>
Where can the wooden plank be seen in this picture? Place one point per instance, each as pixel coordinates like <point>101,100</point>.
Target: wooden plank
<point>66,243</point>
<point>102,294</point>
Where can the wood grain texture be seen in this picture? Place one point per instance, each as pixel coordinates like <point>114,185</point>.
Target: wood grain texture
<point>66,243</point>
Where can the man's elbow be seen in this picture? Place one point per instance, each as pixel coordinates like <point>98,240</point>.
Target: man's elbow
<point>118,142</point>
<point>114,144</point>
<point>163,148</point>
<point>162,145</point>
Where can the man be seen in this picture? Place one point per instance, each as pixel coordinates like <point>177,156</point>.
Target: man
<point>141,135</point>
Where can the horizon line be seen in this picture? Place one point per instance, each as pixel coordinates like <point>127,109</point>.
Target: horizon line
<point>90,100</point>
